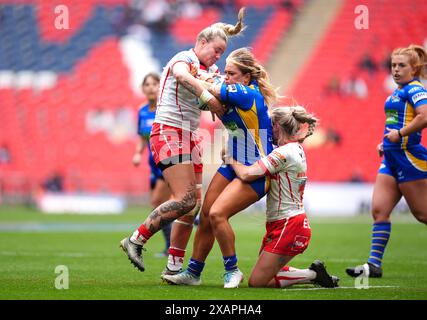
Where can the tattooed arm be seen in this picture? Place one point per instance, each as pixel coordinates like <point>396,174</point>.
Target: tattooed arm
<point>181,72</point>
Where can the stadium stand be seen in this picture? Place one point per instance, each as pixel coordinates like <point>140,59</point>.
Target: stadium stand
<point>66,104</point>
<point>327,82</point>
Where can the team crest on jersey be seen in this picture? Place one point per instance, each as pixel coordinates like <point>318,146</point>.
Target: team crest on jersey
<point>194,70</point>
<point>395,98</point>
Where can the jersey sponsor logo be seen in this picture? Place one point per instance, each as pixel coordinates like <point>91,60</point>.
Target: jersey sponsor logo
<point>279,155</point>
<point>272,161</point>
<point>391,117</point>
<point>419,96</point>
<point>415,89</point>
<point>232,126</point>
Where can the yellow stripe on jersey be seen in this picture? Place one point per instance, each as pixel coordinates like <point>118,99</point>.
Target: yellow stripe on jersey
<point>251,121</point>
<point>407,118</point>
<point>415,82</point>
<point>417,163</point>
<point>267,183</point>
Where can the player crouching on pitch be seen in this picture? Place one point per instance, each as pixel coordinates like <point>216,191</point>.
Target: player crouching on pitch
<point>288,231</point>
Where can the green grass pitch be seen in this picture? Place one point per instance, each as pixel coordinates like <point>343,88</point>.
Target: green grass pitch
<point>33,244</point>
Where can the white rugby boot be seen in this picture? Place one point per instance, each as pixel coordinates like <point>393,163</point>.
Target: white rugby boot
<point>233,278</point>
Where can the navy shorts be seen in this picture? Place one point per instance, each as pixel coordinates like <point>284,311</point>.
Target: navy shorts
<point>260,186</point>
<point>405,165</point>
<point>155,173</point>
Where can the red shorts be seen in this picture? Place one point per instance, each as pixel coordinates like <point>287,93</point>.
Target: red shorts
<point>289,236</point>
<point>170,145</point>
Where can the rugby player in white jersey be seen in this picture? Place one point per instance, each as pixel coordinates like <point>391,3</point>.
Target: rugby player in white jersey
<point>288,230</point>
<point>175,145</point>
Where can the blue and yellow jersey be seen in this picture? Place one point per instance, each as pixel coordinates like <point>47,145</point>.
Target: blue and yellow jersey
<point>247,122</point>
<point>145,122</point>
<point>400,110</point>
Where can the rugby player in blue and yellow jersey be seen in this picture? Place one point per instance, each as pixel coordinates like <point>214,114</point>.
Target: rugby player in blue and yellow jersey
<point>247,94</point>
<point>403,172</point>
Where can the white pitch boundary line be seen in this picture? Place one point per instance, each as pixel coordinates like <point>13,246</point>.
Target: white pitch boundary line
<point>369,287</point>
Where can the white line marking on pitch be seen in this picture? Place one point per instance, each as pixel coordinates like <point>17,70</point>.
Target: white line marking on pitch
<point>370,287</point>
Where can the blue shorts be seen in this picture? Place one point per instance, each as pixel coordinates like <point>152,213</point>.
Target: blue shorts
<point>405,165</point>
<point>260,186</point>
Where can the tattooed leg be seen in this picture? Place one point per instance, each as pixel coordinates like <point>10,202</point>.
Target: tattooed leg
<point>171,210</point>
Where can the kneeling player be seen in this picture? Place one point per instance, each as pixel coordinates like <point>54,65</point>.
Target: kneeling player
<point>288,230</point>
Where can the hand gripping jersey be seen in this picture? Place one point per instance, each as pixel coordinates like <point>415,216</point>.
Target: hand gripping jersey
<point>177,106</point>
<point>400,110</point>
<point>287,167</point>
<point>247,122</point>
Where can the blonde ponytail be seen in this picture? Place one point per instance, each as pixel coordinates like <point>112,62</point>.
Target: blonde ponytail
<point>223,30</point>
<point>244,59</point>
<point>291,120</point>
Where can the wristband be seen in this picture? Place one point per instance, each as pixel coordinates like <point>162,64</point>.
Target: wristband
<point>400,135</point>
<point>205,96</point>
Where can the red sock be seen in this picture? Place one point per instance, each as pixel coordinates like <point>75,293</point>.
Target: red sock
<point>176,252</point>
<point>143,231</point>
<point>175,258</point>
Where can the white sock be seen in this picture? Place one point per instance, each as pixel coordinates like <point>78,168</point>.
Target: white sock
<point>175,259</point>
<point>288,276</point>
<point>138,238</point>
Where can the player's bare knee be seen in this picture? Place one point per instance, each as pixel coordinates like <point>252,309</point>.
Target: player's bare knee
<point>379,215</point>
<point>254,283</point>
<point>215,217</point>
<point>195,211</point>
<point>187,218</point>
<point>188,202</point>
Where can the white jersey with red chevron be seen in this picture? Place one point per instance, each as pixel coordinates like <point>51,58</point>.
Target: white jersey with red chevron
<point>177,106</point>
<point>287,166</point>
